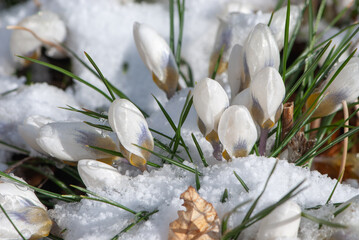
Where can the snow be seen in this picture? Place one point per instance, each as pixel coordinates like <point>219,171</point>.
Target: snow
<point>104,30</point>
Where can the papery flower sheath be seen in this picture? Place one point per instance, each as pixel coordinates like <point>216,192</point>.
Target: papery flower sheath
<point>278,23</point>
<point>267,92</point>
<point>70,141</point>
<point>97,174</point>
<point>282,222</point>
<point>237,132</point>
<point>132,129</point>
<point>49,29</point>
<point>30,129</point>
<point>24,209</point>
<point>158,57</point>
<point>344,87</point>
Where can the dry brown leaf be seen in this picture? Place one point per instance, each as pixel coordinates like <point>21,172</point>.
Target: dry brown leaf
<point>200,220</point>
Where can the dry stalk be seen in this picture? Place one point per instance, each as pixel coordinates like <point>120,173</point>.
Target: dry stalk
<point>345,142</point>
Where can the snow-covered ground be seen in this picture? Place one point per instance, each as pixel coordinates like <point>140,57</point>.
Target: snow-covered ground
<point>104,30</point>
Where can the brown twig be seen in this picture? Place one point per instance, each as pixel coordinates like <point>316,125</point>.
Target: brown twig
<point>287,118</point>
<point>17,164</point>
<point>345,142</point>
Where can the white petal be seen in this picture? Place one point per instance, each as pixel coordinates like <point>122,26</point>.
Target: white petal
<point>97,174</point>
<point>69,141</point>
<point>209,100</point>
<point>131,127</point>
<point>157,56</point>
<point>47,25</point>
<point>261,50</point>
<point>278,23</point>
<point>267,91</point>
<point>29,130</point>
<point>282,222</point>
<point>243,98</point>
<point>237,131</point>
<point>238,75</point>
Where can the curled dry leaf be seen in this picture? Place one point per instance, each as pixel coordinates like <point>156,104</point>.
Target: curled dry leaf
<point>200,220</point>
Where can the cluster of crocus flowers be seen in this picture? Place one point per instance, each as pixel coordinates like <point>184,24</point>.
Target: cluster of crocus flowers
<point>24,209</point>
<point>131,127</point>
<point>345,87</point>
<point>44,29</point>
<point>158,58</point>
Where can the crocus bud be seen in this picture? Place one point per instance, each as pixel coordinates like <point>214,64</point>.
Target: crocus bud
<point>267,91</point>
<point>237,131</point>
<point>282,222</point>
<point>210,100</point>
<point>261,50</point>
<point>42,29</point>
<point>278,23</point>
<point>243,98</point>
<point>30,129</point>
<point>132,129</point>
<point>71,140</point>
<point>238,75</point>
<point>344,87</point>
<point>24,209</point>
<point>97,174</point>
<point>157,56</point>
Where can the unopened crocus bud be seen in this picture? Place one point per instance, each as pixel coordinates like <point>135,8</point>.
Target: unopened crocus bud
<point>132,129</point>
<point>24,209</point>
<point>278,23</point>
<point>30,129</point>
<point>158,57</point>
<point>97,174</point>
<point>42,29</point>
<point>210,100</point>
<point>261,50</point>
<point>243,98</point>
<point>282,222</point>
<point>238,75</point>
<point>70,141</point>
<point>267,91</point>
<point>237,132</point>
<point>344,87</point>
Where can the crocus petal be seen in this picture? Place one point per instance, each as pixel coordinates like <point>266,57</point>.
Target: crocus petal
<point>238,75</point>
<point>157,56</point>
<point>282,222</point>
<point>261,50</point>
<point>243,98</point>
<point>344,87</point>
<point>131,128</point>
<point>237,131</point>
<point>267,91</point>
<point>29,130</point>
<point>96,174</point>
<point>278,23</point>
<point>47,26</point>
<point>70,140</point>
<point>25,210</point>
<point>209,100</point>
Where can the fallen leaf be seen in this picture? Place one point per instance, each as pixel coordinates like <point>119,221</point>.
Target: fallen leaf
<point>200,220</point>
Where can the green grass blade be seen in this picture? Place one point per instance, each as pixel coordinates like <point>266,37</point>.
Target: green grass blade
<point>244,185</point>
<point>14,147</point>
<point>200,152</point>
<point>286,37</point>
<point>224,196</point>
<point>172,26</point>
<point>7,216</point>
<point>99,126</point>
<point>322,221</point>
<point>198,183</point>
<point>214,74</point>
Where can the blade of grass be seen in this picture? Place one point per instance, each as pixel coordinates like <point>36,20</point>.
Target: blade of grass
<point>224,196</point>
<point>200,152</point>
<point>198,183</point>
<point>172,31</point>
<point>14,147</point>
<point>322,221</point>
<point>99,126</point>
<point>12,223</point>
<point>213,76</point>
<point>244,185</point>
<point>286,37</point>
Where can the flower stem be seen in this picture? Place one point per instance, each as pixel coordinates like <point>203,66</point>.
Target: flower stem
<point>263,141</point>
<point>217,150</point>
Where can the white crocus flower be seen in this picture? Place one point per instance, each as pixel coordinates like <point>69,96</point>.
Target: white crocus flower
<point>282,222</point>
<point>30,129</point>
<point>237,132</point>
<point>24,209</point>
<point>278,23</point>
<point>70,141</point>
<point>97,174</point>
<point>238,75</point>
<point>243,98</point>
<point>261,50</point>
<point>132,129</point>
<point>210,100</point>
<point>158,57</point>
<point>344,87</point>
<point>267,91</point>
<point>42,29</point>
